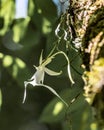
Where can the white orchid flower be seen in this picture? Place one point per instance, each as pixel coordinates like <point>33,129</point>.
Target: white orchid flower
<point>38,78</point>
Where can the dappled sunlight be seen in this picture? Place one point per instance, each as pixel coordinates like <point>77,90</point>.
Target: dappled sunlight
<point>13,65</point>
<point>20,63</point>
<point>39,11</point>
<point>93,126</point>
<point>58,108</point>
<point>15,71</point>
<point>1,55</point>
<point>7,12</point>
<point>17,66</point>
<point>19,29</point>
<point>7,61</point>
<point>46,28</point>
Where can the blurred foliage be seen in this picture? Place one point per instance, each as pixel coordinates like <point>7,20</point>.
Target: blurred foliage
<point>21,42</point>
<point>0,98</point>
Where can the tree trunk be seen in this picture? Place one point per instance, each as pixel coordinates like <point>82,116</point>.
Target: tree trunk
<point>87,18</point>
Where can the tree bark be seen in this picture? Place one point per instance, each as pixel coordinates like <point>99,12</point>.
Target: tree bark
<point>88,23</point>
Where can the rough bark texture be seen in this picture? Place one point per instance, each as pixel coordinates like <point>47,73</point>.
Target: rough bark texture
<point>88,23</point>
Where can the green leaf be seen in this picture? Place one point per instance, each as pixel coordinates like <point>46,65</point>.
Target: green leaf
<point>55,110</point>
<point>47,6</point>
<point>77,116</point>
<point>55,93</point>
<point>80,119</point>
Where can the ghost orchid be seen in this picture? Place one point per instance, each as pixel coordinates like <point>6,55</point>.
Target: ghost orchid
<point>38,78</point>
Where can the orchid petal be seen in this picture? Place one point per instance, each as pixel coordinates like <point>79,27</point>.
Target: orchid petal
<point>69,74</point>
<point>33,77</point>
<point>24,97</point>
<point>51,72</point>
<point>42,78</point>
<point>33,83</point>
<point>35,67</point>
<point>39,75</point>
<point>41,57</point>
